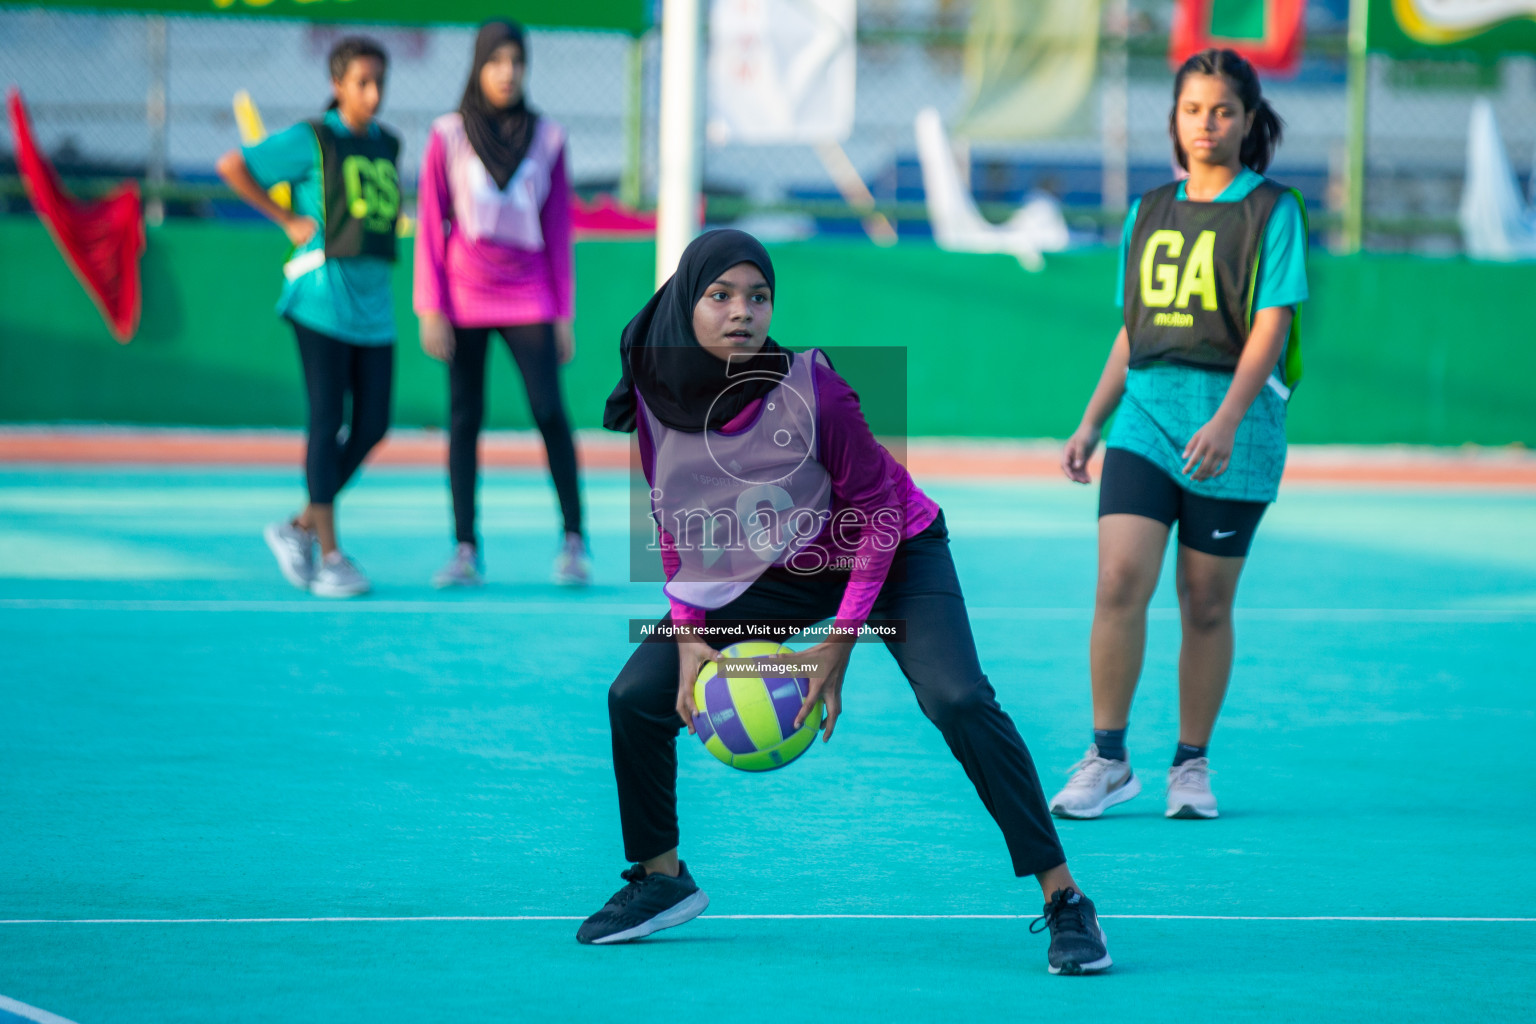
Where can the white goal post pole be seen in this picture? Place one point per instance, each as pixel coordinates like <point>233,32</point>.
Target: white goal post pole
<point>679,140</point>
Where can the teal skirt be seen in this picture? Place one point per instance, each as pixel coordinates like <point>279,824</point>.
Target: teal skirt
<point>1165,404</point>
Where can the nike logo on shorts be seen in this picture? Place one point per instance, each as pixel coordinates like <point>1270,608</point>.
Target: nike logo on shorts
<point>1218,535</point>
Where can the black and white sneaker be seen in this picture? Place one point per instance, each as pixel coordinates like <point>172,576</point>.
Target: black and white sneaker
<point>647,904</point>
<point>1077,941</point>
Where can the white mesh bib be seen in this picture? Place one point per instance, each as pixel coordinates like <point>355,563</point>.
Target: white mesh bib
<point>737,503</point>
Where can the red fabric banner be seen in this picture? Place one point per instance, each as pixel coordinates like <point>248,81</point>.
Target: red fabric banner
<point>1278,51</point>
<point>101,240</point>
<point>606,217</point>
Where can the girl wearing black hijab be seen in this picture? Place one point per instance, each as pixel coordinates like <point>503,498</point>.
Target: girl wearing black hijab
<point>778,509</point>
<point>493,252</point>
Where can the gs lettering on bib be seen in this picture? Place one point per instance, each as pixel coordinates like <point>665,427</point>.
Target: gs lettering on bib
<point>362,192</point>
<point>1190,276</point>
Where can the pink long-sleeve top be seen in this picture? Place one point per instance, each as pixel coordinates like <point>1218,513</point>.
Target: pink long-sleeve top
<point>489,257</point>
<point>865,476</point>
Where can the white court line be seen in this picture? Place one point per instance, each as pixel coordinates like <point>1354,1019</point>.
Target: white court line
<point>32,1013</point>
<point>763,917</point>
<point>653,610</point>
<point>649,611</point>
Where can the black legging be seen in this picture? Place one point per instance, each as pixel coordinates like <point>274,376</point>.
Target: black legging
<point>333,370</point>
<point>938,658</point>
<point>533,347</point>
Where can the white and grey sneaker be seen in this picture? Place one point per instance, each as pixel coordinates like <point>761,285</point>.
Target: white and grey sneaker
<point>336,576</point>
<point>573,568</point>
<point>1189,790</point>
<point>462,570</point>
<point>294,549</point>
<point>1097,784</point>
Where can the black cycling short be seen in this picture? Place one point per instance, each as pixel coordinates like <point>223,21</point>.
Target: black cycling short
<point>1132,485</point>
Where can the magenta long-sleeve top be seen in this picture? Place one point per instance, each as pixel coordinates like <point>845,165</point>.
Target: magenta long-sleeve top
<point>865,476</point>
<point>488,257</point>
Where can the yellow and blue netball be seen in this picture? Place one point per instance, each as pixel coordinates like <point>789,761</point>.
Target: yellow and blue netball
<point>749,721</point>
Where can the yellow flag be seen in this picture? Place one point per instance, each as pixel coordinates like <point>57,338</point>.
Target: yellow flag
<point>252,131</point>
<point>1029,68</point>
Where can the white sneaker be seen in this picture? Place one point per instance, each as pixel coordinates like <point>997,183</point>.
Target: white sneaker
<point>462,570</point>
<point>338,577</point>
<point>1097,784</point>
<point>1189,790</point>
<point>572,566</point>
<point>294,549</point>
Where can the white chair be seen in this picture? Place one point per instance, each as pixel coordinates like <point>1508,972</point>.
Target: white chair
<point>1036,227</point>
<point>1496,222</point>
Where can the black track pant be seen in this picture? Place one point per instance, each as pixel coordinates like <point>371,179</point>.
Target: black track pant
<point>333,372</point>
<point>938,658</point>
<point>533,348</point>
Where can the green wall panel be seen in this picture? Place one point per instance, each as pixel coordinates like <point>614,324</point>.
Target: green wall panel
<point>1398,349</point>
<point>630,16</point>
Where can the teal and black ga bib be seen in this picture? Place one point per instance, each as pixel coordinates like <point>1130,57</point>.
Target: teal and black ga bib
<point>362,191</point>
<point>1191,273</point>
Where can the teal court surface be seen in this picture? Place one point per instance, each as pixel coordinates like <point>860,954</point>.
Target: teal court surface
<point>222,800</point>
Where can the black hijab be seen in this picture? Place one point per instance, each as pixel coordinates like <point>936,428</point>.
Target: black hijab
<point>663,361</point>
<point>500,135</point>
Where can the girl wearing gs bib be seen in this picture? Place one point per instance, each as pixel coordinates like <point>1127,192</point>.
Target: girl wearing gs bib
<point>727,420</point>
<point>1212,280</point>
<point>493,253</point>
<point>337,293</point>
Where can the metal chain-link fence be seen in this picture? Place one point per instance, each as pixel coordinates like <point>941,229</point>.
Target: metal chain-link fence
<point>93,83</point>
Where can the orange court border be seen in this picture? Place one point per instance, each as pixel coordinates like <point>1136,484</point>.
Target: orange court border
<point>947,458</point>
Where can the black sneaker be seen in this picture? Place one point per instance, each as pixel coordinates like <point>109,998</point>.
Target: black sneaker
<point>647,904</point>
<point>1077,941</point>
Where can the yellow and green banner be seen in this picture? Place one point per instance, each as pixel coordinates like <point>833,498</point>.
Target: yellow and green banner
<point>631,16</point>
<point>1029,67</point>
<point>1451,29</point>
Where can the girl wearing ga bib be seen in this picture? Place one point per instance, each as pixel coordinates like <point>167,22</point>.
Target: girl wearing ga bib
<point>1212,278</point>
<point>336,293</point>
<point>493,253</point>
<point>732,427</point>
